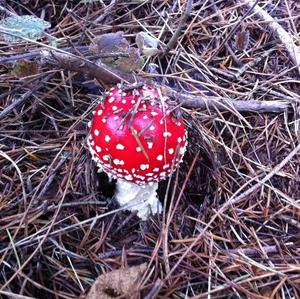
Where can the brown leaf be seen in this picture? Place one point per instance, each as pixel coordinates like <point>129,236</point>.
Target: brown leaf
<point>133,62</point>
<point>25,68</point>
<point>121,282</point>
<point>110,43</point>
<point>242,40</point>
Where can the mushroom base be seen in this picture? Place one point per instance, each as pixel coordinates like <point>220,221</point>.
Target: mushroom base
<point>142,199</point>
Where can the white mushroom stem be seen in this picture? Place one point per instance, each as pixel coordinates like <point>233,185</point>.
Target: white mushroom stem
<point>142,199</point>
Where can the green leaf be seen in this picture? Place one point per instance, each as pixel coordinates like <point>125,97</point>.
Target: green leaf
<point>22,26</point>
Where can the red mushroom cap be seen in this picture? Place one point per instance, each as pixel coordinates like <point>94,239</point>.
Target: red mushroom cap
<point>135,137</point>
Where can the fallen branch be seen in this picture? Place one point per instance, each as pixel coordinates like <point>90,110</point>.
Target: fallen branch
<point>39,53</point>
<point>282,34</point>
<point>191,101</point>
<point>100,71</point>
<point>108,76</point>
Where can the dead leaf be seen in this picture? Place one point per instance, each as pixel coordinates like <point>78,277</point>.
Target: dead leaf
<point>25,68</point>
<point>131,63</point>
<point>121,282</point>
<point>242,40</point>
<point>116,43</point>
<point>110,43</point>
<point>147,44</point>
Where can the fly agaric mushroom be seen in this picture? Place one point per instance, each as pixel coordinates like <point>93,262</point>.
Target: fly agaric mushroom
<point>135,138</point>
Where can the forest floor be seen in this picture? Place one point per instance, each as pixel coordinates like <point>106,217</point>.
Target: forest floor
<point>231,224</point>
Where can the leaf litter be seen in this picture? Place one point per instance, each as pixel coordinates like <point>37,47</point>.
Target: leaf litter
<point>64,228</point>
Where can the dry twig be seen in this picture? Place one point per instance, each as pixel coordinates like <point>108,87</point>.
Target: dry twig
<point>186,14</point>
<point>108,76</point>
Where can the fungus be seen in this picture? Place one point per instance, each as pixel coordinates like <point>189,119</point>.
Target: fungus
<point>135,138</point>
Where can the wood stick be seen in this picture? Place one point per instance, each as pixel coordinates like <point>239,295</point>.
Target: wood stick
<point>108,76</point>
